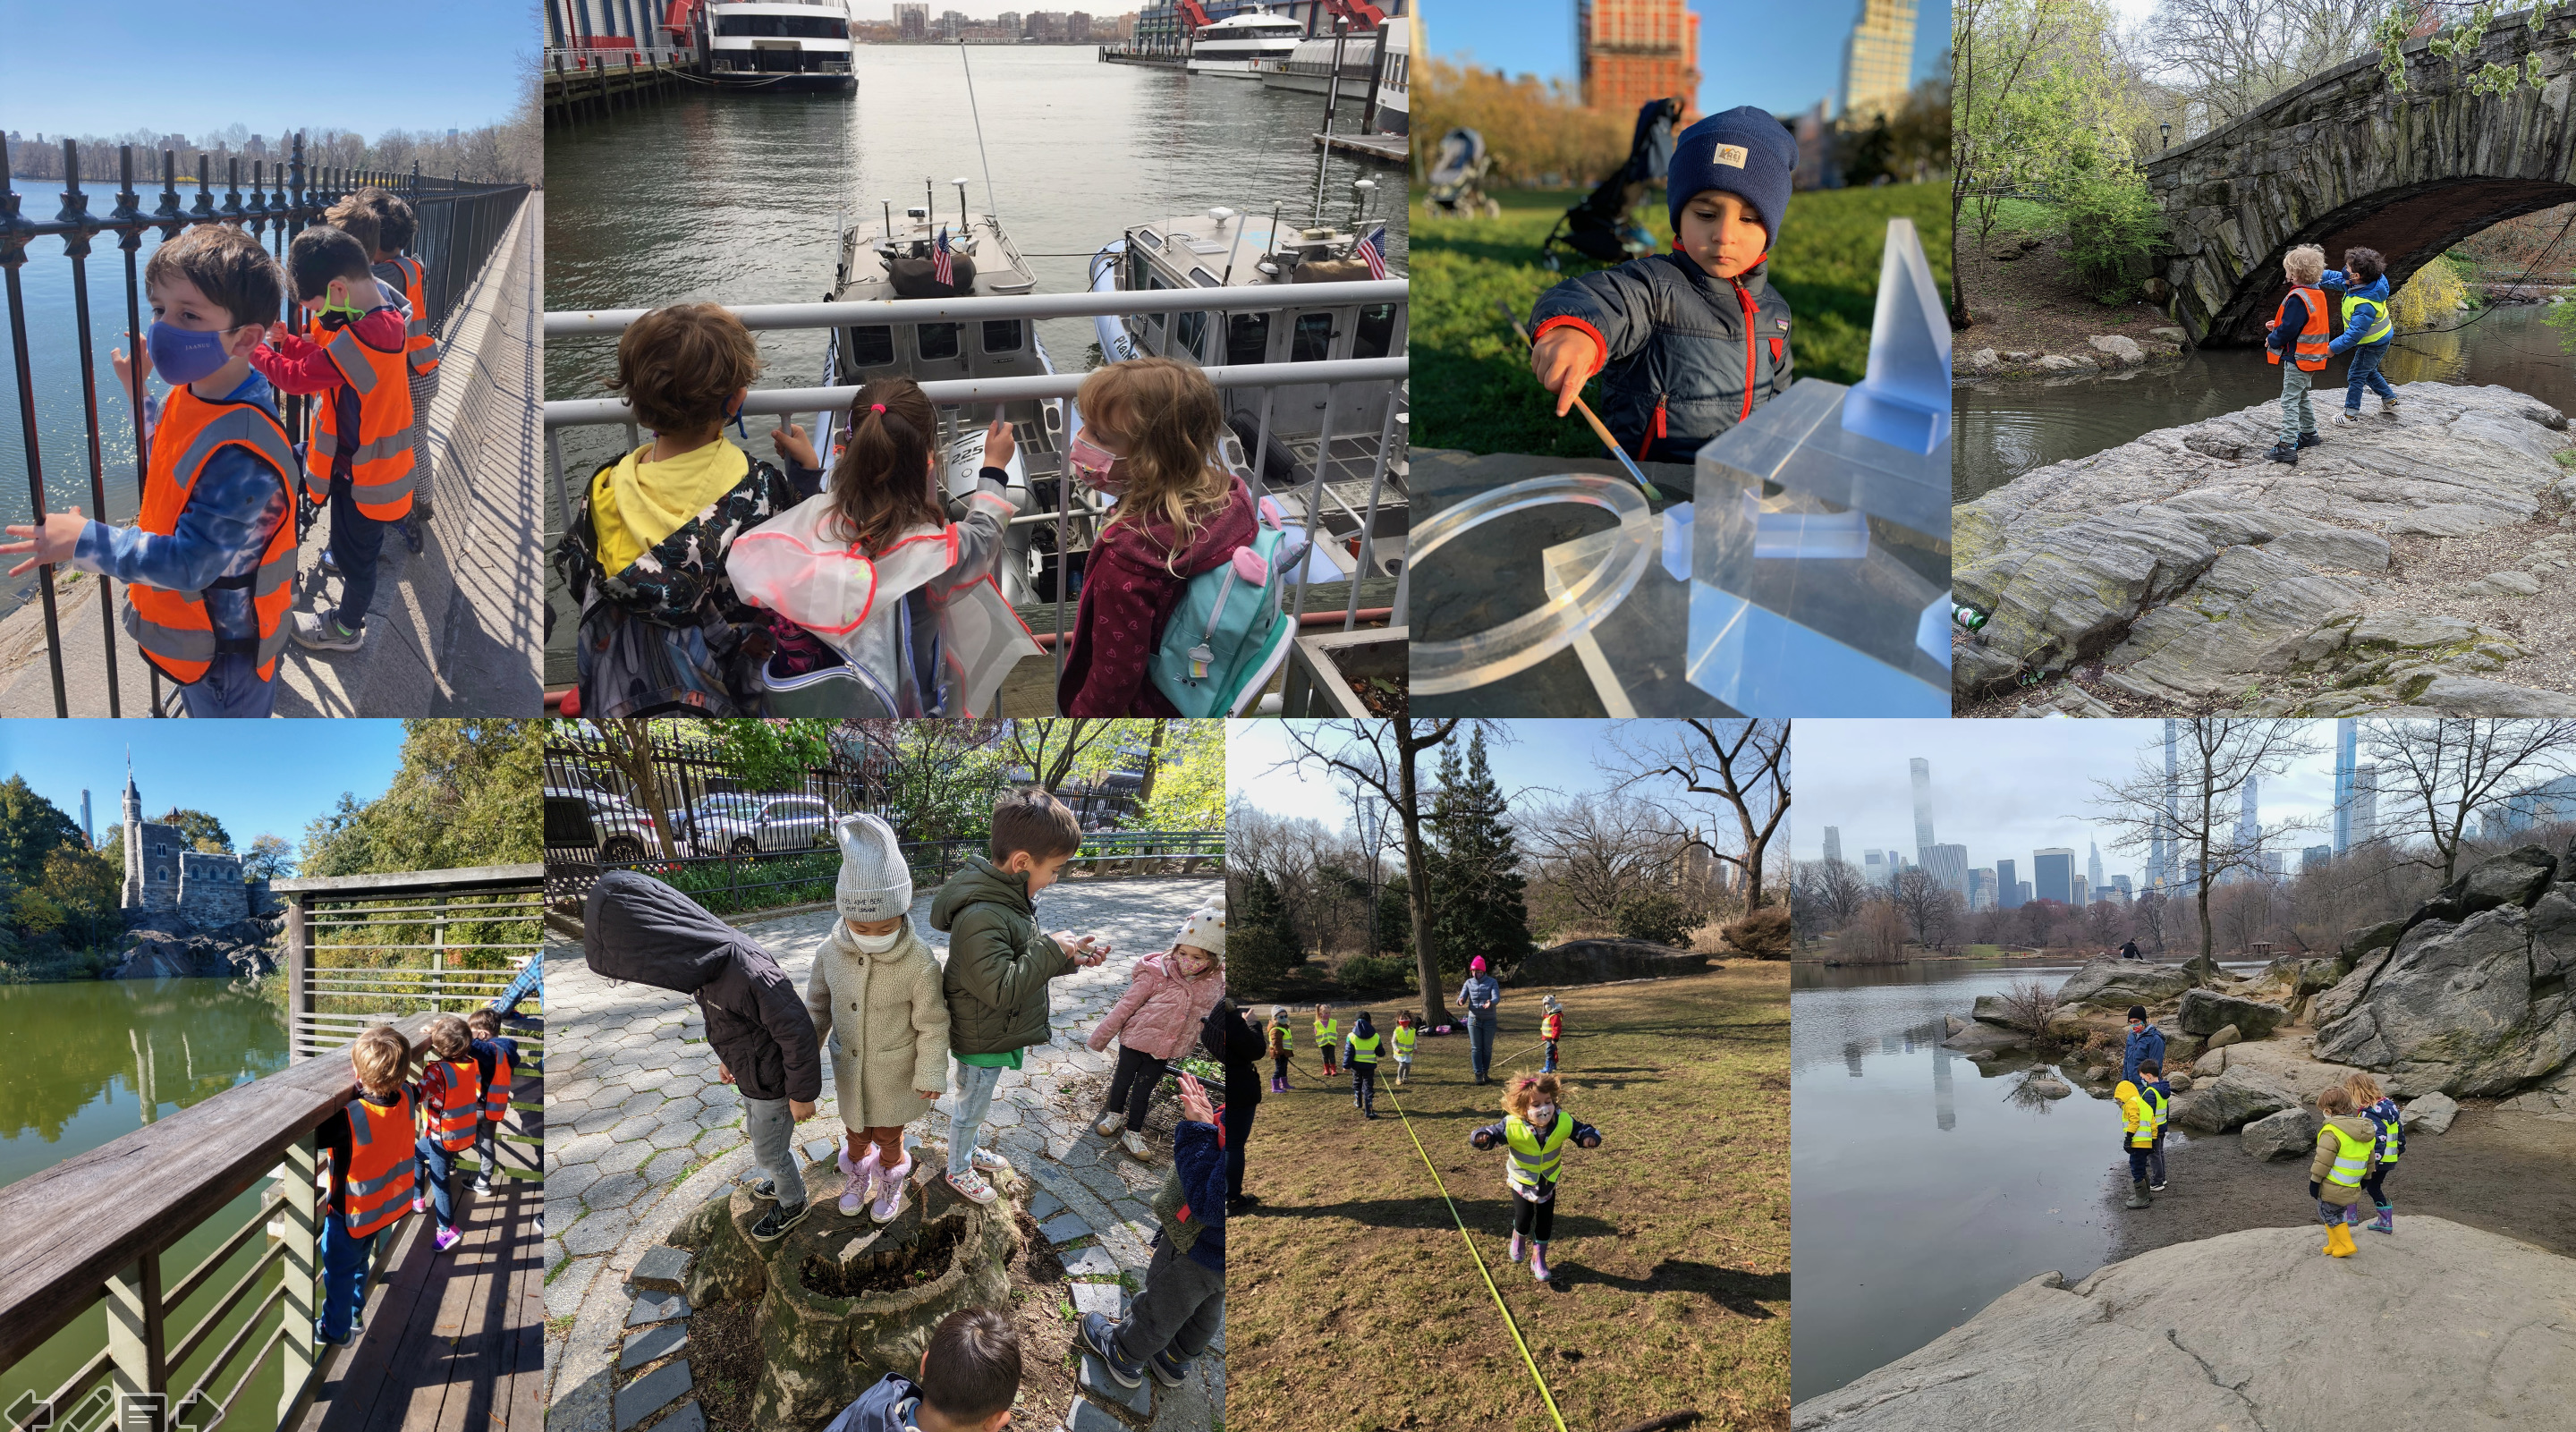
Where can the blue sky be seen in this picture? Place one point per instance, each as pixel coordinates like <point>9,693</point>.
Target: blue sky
<point>1781,57</point>
<point>254,776</point>
<point>273,67</point>
<point>1558,756</point>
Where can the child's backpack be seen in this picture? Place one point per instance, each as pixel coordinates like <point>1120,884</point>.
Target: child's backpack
<point>1228,635</point>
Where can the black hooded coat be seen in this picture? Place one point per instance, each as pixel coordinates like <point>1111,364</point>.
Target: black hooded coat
<point>638,929</point>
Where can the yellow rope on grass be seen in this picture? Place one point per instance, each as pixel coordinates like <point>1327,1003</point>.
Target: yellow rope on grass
<point>1508,1321</point>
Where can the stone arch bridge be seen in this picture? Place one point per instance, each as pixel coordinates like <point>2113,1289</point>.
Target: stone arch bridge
<point>2343,160</point>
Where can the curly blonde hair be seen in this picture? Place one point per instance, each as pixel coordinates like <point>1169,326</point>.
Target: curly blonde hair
<point>1169,417</point>
<point>1528,1090</point>
<point>2304,264</point>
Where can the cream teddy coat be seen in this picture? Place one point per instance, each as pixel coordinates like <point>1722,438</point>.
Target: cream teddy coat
<point>892,1023</point>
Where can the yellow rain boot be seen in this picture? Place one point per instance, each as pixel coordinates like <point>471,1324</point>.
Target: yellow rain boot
<point>2339,1241</point>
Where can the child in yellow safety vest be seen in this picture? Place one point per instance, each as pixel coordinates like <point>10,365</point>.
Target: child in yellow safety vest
<point>370,1170</point>
<point>1280,1043</point>
<point>1551,1028</point>
<point>2347,1155</point>
<point>2159,1096</point>
<point>2366,331</point>
<point>1534,1132</point>
<point>2373,1103</point>
<point>1401,1040</point>
<point>1328,1038</point>
<point>451,1109</point>
<point>2299,332</point>
<point>2137,1138</point>
<point>1360,1051</point>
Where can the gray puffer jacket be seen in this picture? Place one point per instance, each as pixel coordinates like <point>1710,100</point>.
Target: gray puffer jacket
<point>1687,356</point>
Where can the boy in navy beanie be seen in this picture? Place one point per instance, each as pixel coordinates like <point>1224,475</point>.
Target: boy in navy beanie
<point>1687,342</point>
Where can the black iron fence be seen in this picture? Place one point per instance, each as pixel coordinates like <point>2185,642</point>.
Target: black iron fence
<point>458,225</point>
<point>732,884</point>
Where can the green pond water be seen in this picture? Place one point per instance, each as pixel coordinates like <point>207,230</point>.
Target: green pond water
<point>92,1061</point>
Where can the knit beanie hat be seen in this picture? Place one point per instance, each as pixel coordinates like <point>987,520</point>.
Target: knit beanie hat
<point>2138,1012</point>
<point>875,883</point>
<point>1205,929</point>
<point>1745,152</point>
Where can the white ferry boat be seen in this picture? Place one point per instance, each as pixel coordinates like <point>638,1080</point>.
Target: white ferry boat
<point>1308,69</point>
<point>778,45</point>
<point>1239,44</point>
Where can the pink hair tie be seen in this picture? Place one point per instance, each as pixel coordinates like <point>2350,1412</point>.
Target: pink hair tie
<point>876,407</point>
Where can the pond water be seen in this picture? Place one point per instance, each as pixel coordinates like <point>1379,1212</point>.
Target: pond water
<point>1920,1188</point>
<point>94,1060</point>
<point>2007,429</point>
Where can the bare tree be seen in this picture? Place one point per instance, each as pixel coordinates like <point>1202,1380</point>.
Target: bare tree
<point>2038,917</point>
<point>1878,936</point>
<point>2199,811</point>
<point>2229,56</point>
<point>2102,923</point>
<point>2436,777</point>
<point>1831,889</point>
<point>2147,913</point>
<point>1742,765</point>
<point>1594,852</point>
<point>1382,756</point>
<point>1930,909</point>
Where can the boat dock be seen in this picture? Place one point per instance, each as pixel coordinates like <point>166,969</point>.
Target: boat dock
<point>1156,59</point>
<point>1387,148</point>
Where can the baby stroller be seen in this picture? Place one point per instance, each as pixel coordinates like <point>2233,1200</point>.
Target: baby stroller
<point>1605,225</point>
<point>1457,176</point>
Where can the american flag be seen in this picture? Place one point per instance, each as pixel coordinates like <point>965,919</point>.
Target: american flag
<point>1369,253</point>
<point>940,267</point>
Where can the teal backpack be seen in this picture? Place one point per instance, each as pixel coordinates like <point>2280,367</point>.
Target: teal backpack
<point>1226,638</point>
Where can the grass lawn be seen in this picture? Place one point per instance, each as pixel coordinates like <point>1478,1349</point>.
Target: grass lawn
<point>1352,1305</point>
<point>1472,383</point>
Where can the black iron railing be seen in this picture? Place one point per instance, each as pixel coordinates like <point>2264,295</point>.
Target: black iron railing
<point>458,225</point>
<point>734,884</point>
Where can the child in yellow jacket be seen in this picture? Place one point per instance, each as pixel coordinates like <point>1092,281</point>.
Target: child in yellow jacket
<point>2137,1138</point>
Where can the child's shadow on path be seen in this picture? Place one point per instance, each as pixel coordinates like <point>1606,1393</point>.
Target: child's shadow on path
<point>1740,1293</point>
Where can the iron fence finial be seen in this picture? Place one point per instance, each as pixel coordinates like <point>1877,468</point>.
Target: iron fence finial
<point>204,208</point>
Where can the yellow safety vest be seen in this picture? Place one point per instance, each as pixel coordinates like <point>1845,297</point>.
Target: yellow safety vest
<point>2352,1158</point>
<point>2378,308</point>
<point>1364,1051</point>
<point>2158,1102</point>
<point>1534,1160</point>
<point>1404,1041</point>
<point>1327,1031</point>
<point>2138,1117</point>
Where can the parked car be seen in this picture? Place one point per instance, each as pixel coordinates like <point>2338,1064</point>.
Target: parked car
<point>742,824</point>
<point>624,829</point>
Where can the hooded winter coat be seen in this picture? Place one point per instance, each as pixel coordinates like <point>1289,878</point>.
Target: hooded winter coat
<point>886,1407</point>
<point>892,1022</point>
<point>999,961</point>
<point>2338,1194</point>
<point>2146,1044</point>
<point>1162,1010</point>
<point>637,928</point>
<point>1132,582</point>
<point>1230,1040</point>
<point>2137,1118</point>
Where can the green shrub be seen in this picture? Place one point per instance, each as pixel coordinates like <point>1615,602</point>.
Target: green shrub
<point>1372,972</point>
<point>2112,225</point>
<point>1657,916</point>
<point>1764,934</point>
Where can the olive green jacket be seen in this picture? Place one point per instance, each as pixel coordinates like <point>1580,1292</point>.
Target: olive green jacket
<point>999,961</point>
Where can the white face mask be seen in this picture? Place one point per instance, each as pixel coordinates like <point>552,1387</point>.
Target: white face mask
<point>873,944</point>
<point>1540,1115</point>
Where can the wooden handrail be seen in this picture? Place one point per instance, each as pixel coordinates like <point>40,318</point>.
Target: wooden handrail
<point>64,1231</point>
<point>356,887</point>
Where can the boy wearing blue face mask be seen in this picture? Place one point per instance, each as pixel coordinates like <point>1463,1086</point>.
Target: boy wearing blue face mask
<point>209,563</point>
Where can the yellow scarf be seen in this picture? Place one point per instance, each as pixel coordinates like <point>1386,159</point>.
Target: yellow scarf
<point>639,502</point>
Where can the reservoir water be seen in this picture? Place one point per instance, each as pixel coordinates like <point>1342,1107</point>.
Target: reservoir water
<point>94,1060</point>
<point>736,198</point>
<point>2007,429</point>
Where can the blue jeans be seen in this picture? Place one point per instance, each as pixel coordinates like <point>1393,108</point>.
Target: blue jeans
<point>231,687</point>
<point>439,1173</point>
<point>2365,369</point>
<point>975,1085</point>
<point>356,541</point>
<point>1480,1041</point>
<point>344,1276</point>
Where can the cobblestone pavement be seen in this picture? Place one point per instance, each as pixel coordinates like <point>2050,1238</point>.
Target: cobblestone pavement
<point>635,1110</point>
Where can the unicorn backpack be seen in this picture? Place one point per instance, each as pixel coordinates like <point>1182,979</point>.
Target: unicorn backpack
<point>1226,638</point>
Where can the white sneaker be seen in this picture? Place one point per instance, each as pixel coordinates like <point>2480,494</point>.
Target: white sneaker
<point>971,1184</point>
<point>1108,1125</point>
<point>988,1161</point>
<point>318,634</point>
<point>1134,1144</point>
<point>2347,418</point>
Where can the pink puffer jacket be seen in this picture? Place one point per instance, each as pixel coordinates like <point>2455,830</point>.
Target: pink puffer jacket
<point>1161,1012</point>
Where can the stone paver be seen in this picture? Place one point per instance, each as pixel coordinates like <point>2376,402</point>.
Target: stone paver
<point>656,1342</point>
<point>632,1067</point>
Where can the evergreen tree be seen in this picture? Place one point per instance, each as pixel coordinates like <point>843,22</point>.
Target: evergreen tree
<point>1259,948</point>
<point>1477,905</point>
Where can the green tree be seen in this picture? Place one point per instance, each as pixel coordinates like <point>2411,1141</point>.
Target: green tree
<point>1659,916</point>
<point>2112,222</point>
<point>200,830</point>
<point>1477,890</point>
<point>1185,788</point>
<point>775,755</point>
<point>1258,946</point>
<point>1076,751</point>
<point>30,828</point>
<point>86,890</point>
<point>467,793</point>
<point>270,857</point>
<point>940,777</point>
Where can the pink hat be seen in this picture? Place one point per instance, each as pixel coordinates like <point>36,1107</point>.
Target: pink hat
<point>1477,963</point>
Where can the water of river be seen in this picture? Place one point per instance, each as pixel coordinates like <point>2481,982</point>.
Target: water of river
<point>735,198</point>
<point>92,1061</point>
<point>2007,429</point>
<point>1920,1188</point>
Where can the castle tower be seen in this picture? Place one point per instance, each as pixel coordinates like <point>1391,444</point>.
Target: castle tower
<point>132,898</point>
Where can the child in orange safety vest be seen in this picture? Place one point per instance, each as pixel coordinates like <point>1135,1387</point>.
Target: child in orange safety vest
<point>2300,332</point>
<point>404,273</point>
<point>496,1059</point>
<point>370,1171</point>
<point>451,1110</point>
<point>360,461</point>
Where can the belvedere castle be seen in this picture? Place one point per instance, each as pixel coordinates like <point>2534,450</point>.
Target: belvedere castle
<point>164,874</point>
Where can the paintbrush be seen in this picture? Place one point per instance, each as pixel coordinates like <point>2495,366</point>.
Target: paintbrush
<point>1598,430</point>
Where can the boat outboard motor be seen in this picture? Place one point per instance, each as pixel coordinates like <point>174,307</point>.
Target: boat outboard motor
<point>1603,226</point>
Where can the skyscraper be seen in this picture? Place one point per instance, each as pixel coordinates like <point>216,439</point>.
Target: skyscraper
<point>2007,891</point>
<point>2173,811</point>
<point>2052,874</point>
<point>1631,51</point>
<point>2081,893</point>
<point>1948,865</point>
<point>1922,770</point>
<point>2343,773</point>
<point>2249,828</point>
<point>2314,857</point>
<point>1833,843</point>
<point>2093,864</point>
<point>1878,59</point>
<point>1981,889</point>
<point>2365,803</point>
<point>1873,867</point>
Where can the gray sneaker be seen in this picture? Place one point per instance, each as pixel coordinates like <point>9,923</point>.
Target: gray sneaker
<point>326,634</point>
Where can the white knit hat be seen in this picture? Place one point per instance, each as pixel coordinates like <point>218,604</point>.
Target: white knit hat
<point>1205,929</point>
<point>875,883</point>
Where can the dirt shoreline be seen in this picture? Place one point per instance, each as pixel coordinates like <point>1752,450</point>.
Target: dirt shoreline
<point>2505,1172</point>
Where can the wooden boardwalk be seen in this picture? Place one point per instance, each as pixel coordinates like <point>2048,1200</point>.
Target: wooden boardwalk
<point>454,1341</point>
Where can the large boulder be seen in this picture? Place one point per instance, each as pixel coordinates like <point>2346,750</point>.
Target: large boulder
<point>2458,1008</point>
<point>1980,1038</point>
<point>2357,943</point>
<point>2287,1134</point>
<point>2237,1331</point>
<point>2233,1100</point>
<point>2117,984</point>
<point>2338,1001</point>
<point>2431,1114</point>
<point>2225,1035</point>
<point>2206,1011</point>
<point>2514,878</point>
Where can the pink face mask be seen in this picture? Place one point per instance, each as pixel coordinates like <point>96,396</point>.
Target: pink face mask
<point>1091,463</point>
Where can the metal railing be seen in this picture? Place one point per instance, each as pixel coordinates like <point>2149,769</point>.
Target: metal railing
<point>94,1229</point>
<point>732,884</point>
<point>1267,378</point>
<point>457,226</point>
<point>583,59</point>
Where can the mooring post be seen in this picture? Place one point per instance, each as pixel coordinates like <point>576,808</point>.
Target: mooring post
<point>300,1276</point>
<point>138,1353</point>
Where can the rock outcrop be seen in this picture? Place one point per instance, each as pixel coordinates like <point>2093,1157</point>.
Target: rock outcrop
<point>1595,961</point>
<point>2476,1004</point>
<point>2431,1114</point>
<point>2291,1133</point>
<point>2117,984</point>
<point>2234,1331</point>
<point>166,945</point>
<point>2207,1012</point>
<point>2233,1100</point>
<point>2192,570</point>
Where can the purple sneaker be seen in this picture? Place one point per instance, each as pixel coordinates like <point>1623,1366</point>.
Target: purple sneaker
<point>449,1238</point>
